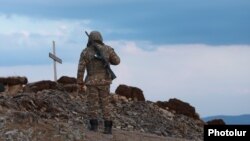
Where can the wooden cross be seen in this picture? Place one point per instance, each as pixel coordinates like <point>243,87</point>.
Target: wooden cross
<point>55,59</point>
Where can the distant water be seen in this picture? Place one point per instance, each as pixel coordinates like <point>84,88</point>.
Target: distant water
<point>238,119</point>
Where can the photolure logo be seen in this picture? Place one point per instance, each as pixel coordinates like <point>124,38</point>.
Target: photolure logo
<point>219,132</point>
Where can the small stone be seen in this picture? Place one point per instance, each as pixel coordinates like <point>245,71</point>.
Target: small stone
<point>118,127</point>
<point>158,133</point>
<point>142,130</point>
<point>130,127</point>
<point>12,132</point>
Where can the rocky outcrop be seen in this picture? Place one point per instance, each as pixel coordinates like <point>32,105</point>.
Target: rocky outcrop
<point>66,80</point>
<point>41,85</point>
<point>216,122</point>
<point>63,114</point>
<point>68,83</point>
<point>46,111</point>
<point>129,92</point>
<point>65,83</point>
<point>15,80</point>
<point>12,85</point>
<point>147,117</point>
<point>179,107</point>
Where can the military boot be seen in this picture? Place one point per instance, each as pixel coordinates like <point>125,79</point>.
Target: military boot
<point>108,127</point>
<point>93,124</point>
<point>2,89</point>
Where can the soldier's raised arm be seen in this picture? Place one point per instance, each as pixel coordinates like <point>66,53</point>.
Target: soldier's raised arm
<point>114,59</point>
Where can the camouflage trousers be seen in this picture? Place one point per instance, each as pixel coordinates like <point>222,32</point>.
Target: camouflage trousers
<point>98,101</point>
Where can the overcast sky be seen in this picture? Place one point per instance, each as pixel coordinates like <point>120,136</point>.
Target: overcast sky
<point>196,50</point>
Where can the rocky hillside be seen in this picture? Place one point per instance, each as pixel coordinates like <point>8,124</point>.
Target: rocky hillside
<point>48,110</point>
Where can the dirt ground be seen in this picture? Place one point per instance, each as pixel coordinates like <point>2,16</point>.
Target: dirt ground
<point>126,136</point>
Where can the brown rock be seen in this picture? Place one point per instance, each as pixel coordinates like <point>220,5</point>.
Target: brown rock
<point>134,93</point>
<point>15,80</point>
<point>179,107</point>
<point>14,89</point>
<point>40,85</point>
<point>216,122</point>
<point>162,104</point>
<point>67,80</point>
<point>70,87</point>
<point>23,117</point>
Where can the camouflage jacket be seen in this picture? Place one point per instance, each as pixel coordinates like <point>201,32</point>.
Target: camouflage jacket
<point>96,72</point>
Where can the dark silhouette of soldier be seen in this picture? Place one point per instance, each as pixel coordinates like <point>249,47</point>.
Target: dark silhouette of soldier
<point>98,79</point>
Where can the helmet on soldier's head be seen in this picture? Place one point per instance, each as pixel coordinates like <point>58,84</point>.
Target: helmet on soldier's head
<point>95,36</point>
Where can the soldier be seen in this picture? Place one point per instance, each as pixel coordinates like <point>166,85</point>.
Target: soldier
<point>98,79</point>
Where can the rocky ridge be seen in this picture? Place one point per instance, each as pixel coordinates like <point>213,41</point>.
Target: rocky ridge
<point>56,114</point>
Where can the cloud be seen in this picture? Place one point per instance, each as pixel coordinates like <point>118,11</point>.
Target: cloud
<point>189,65</point>
<point>193,21</point>
<point>32,38</point>
<point>31,27</point>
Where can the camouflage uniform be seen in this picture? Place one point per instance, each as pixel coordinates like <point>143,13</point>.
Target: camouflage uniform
<point>97,80</point>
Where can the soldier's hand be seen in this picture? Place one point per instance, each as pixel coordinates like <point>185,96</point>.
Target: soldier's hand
<point>81,88</point>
